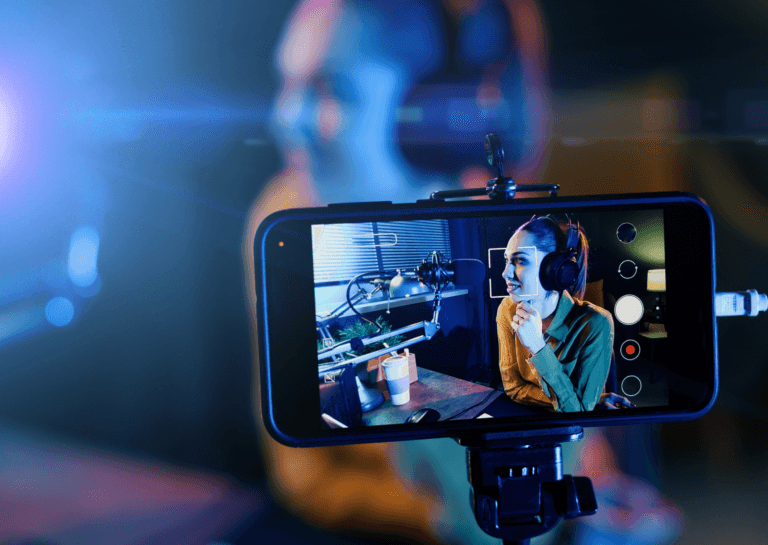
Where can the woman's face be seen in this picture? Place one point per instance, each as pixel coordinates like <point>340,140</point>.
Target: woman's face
<point>522,271</point>
<point>337,109</point>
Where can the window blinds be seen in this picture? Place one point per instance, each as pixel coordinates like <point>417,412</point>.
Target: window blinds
<point>341,251</point>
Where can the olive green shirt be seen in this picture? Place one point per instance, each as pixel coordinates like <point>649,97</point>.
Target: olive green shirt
<point>569,373</point>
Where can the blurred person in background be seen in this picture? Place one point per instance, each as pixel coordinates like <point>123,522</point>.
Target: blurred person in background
<point>347,69</point>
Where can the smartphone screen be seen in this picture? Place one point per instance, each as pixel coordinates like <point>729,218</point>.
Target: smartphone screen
<point>404,335</point>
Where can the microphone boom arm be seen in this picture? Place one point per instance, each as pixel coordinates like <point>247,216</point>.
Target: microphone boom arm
<point>439,277</point>
<point>430,329</point>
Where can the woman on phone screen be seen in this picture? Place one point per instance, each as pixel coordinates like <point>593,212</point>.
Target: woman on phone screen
<point>554,348</point>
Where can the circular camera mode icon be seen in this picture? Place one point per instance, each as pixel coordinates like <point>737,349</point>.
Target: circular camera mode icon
<point>627,269</point>
<point>629,309</point>
<point>626,232</point>
<point>631,386</point>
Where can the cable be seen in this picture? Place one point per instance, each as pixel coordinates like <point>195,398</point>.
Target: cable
<point>741,303</point>
<point>349,301</point>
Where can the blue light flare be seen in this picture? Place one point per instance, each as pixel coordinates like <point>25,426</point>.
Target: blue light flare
<point>83,253</point>
<point>6,129</point>
<point>59,311</point>
<point>89,291</point>
<point>131,123</point>
<point>26,282</point>
<point>17,285</point>
<point>19,321</point>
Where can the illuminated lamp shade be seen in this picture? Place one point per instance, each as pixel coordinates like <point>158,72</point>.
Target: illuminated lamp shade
<point>59,311</point>
<point>657,280</point>
<point>83,252</point>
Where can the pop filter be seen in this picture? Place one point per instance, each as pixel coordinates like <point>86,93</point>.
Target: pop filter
<point>467,272</point>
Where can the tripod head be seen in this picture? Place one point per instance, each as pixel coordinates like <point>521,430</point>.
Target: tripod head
<point>518,487</point>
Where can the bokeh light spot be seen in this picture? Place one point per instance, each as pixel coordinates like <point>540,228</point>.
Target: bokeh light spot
<point>59,311</point>
<point>83,252</point>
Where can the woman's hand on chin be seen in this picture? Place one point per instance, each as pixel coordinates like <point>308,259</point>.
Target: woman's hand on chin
<point>526,323</point>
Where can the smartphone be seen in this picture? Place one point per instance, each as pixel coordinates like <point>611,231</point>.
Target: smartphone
<point>385,322</point>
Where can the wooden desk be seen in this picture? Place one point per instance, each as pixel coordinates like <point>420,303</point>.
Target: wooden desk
<point>447,395</point>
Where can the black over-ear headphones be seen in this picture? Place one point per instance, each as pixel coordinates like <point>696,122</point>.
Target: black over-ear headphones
<point>559,269</point>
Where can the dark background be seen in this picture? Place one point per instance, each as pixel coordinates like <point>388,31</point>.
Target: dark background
<point>161,107</point>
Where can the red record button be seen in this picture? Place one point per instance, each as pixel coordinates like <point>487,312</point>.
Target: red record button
<point>630,349</point>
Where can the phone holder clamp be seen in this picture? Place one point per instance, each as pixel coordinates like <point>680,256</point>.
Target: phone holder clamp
<point>518,487</point>
<point>501,189</point>
<point>518,490</point>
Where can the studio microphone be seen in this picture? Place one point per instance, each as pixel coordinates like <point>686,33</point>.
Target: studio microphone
<point>462,272</point>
